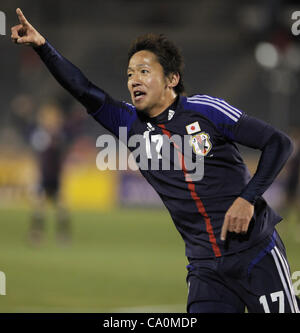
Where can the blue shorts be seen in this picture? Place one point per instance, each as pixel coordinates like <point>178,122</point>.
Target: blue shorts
<point>257,279</point>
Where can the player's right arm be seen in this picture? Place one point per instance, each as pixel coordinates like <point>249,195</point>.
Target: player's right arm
<point>110,113</point>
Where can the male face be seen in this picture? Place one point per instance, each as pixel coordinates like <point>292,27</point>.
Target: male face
<point>147,83</point>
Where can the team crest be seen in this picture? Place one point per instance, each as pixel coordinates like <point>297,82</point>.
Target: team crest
<point>201,143</point>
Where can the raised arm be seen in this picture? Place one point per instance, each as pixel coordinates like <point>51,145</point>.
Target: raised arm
<point>68,75</point>
<point>108,112</point>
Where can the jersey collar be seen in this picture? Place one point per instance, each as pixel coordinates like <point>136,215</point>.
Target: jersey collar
<point>167,115</point>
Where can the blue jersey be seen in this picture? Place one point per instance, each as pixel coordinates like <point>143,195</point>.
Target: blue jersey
<point>213,127</point>
<point>197,207</point>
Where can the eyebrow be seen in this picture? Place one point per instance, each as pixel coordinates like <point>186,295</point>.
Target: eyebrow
<point>139,65</point>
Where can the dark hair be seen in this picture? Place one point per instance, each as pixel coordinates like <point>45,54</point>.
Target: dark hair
<point>167,54</point>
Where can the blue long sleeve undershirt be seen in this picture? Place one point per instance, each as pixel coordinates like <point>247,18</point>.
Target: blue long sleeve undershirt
<point>71,78</point>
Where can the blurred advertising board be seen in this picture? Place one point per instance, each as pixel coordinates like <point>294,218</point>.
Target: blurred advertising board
<point>134,191</point>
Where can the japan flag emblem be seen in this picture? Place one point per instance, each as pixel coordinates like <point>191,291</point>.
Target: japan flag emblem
<point>193,128</point>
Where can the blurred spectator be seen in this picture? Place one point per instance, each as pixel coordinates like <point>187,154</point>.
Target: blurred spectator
<point>48,140</point>
<point>22,115</point>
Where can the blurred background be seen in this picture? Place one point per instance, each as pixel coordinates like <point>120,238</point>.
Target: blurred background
<point>76,239</point>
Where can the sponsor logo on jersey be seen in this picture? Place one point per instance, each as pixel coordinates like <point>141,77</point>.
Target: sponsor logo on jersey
<point>171,114</point>
<point>150,127</point>
<point>201,143</point>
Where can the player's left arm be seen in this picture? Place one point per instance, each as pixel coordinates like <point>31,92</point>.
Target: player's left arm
<point>276,148</point>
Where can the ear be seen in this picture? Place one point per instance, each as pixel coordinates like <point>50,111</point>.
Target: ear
<point>173,80</point>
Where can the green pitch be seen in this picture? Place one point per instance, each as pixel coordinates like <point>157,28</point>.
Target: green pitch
<point>116,261</point>
<point>126,260</point>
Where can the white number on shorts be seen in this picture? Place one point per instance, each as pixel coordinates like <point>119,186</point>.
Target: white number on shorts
<point>276,296</point>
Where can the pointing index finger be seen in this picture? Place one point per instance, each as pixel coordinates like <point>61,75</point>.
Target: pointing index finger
<point>21,17</point>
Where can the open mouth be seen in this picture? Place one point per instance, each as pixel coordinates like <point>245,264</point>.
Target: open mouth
<point>138,95</point>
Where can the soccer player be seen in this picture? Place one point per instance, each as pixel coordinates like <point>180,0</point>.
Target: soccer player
<point>48,140</point>
<point>236,257</point>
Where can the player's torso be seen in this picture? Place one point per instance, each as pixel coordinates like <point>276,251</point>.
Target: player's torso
<point>184,146</point>
<point>198,172</point>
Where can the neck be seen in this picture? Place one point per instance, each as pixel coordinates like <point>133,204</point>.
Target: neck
<point>157,110</point>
